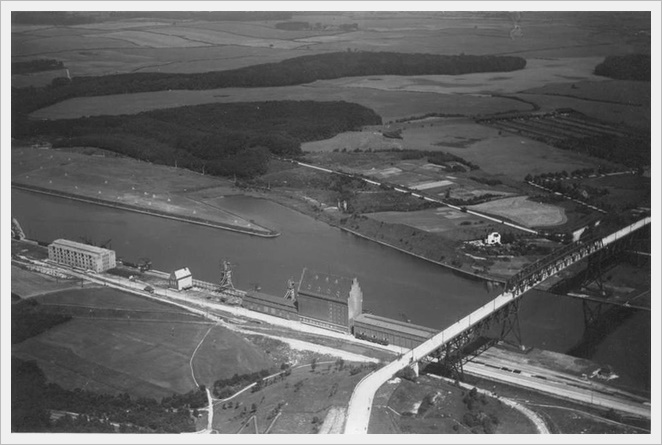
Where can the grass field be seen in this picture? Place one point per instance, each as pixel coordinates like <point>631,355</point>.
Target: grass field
<point>120,351</point>
<point>626,92</point>
<point>521,210</point>
<point>390,105</point>
<point>124,181</point>
<point>28,284</point>
<point>431,220</point>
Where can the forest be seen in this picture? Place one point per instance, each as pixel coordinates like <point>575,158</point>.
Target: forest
<point>219,139</point>
<point>295,71</point>
<point>627,67</point>
<point>33,398</point>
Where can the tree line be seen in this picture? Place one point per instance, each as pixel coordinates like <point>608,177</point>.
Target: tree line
<point>219,139</point>
<point>29,319</point>
<point>32,399</point>
<point>627,67</point>
<point>295,71</point>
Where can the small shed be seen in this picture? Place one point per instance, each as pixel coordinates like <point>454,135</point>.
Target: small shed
<point>493,238</point>
<point>181,279</point>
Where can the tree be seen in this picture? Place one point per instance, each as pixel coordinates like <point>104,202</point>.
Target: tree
<point>313,364</point>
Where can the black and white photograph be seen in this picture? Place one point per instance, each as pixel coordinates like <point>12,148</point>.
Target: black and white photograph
<point>383,222</point>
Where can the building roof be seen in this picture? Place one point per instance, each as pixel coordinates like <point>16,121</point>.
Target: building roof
<point>79,246</point>
<point>181,273</point>
<point>396,325</point>
<point>325,285</point>
<point>273,299</point>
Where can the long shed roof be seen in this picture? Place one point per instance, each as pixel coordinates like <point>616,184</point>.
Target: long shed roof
<point>396,325</point>
<point>273,299</point>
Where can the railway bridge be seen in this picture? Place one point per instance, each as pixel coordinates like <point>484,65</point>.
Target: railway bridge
<point>449,345</point>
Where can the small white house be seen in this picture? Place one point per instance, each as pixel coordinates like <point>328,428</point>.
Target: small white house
<point>493,238</point>
<point>181,279</point>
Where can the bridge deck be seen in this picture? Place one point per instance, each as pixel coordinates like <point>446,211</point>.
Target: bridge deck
<point>358,414</point>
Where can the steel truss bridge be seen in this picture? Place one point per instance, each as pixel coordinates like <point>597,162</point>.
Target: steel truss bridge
<point>451,345</point>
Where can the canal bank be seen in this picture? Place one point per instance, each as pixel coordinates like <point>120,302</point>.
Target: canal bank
<point>267,233</point>
<point>394,284</point>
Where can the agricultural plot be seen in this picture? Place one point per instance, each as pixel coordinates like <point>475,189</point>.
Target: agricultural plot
<point>625,92</point>
<point>537,73</point>
<point>150,39</point>
<point>390,105</point>
<point>495,154</point>
<point>521,210</point>
<point>217,37</point>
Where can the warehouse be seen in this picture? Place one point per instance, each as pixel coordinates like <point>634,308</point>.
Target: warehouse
<point>329,301</point>
<point>181,279</point>
<point>270,304</point>
<point>81,255</point>
<point>387,331</point>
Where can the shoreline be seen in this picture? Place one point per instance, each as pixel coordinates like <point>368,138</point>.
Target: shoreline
<point>465,273</point>
<point>216,225</point>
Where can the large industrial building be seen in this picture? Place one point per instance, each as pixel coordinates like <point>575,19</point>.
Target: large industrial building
<point>81,255</point>
<point>329,301</point>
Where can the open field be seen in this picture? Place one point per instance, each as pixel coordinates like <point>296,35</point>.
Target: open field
<point>626,92</point>
<point>124,181</point>
<point>431,220</point>
<point>27,284</point>
<point>144,358</point>
<point>299,398</point>
<point>538,72</point>
<point>521,210</point>
<point>400,408</point>
<point>108,298</point>
<point>390,105</point>
<point>408,32</point>
<point>495,155</point>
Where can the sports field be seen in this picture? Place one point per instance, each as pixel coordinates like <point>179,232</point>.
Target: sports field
<point>437,220</point>
<point>121,353</point>
<point>524,211</point>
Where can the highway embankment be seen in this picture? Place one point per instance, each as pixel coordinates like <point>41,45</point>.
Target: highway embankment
<point>262,232</point>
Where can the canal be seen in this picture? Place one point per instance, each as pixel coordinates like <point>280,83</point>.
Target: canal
<point>394,284</point>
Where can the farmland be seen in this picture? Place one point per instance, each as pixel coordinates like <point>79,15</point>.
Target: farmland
<point>123,349</point>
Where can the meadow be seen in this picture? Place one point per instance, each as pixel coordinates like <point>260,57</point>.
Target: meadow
<point>122,353</point>
<point>123,180</point>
